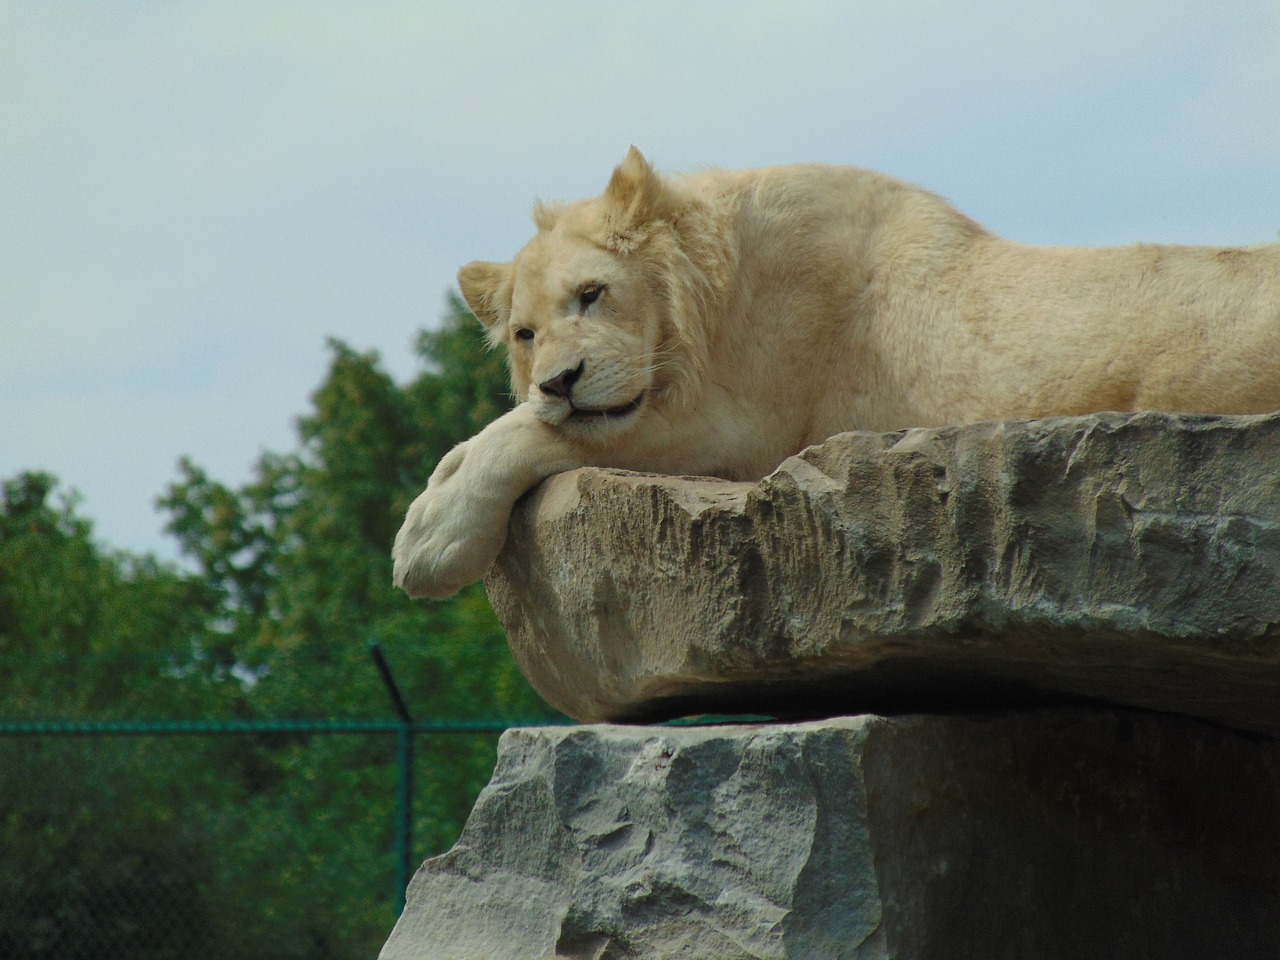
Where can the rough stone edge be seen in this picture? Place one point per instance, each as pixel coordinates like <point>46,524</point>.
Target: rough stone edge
<point>527,603</point>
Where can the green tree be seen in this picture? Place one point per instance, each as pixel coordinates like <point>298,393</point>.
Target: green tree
<point>255,839</point>
<point>299,563</point>
<point>67,608</point>
<point>95,847</point>
<point>299,559</point>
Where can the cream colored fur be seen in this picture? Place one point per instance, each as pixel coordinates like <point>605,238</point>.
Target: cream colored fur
<point>719,323</point>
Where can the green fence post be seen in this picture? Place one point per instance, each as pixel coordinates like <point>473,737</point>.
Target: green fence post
<point>404,815</point>
<point>404,792</point>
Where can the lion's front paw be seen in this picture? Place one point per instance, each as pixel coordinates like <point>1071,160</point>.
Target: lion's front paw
<point>455,529</point>
<point>451,534</point>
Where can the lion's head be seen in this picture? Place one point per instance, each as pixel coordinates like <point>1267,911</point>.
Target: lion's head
<point>602,312</point>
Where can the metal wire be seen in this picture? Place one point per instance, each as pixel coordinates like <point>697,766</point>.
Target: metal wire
<point>74,887</point>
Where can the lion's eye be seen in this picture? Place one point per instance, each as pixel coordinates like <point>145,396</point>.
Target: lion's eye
<point>589,294</point>
<point>525,334</point>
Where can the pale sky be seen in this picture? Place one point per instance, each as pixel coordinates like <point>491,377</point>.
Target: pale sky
<point>193,196</point>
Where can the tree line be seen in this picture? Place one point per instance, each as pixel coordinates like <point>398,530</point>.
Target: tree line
<point>244,846</point>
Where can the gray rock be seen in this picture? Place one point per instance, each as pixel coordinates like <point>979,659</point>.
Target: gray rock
<point>1133,559</point>
<point>1062,833</point>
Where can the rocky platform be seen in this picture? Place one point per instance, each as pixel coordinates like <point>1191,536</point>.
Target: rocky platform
<point>1070,627</point>
<point>1131,559</point>
<point>1081,834</point>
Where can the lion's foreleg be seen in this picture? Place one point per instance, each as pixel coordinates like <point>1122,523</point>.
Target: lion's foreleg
<point>454,530</point>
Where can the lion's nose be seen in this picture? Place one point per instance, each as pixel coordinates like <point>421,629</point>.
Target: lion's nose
<point>562,383</point>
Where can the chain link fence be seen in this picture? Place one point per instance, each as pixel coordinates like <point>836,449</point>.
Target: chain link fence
<point>184,841</point>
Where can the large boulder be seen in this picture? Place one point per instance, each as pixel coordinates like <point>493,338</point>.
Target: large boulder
<point>1066,833</point>
<point>1133,559</point>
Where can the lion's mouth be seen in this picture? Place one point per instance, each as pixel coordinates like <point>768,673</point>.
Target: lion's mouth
<point>584,413</point>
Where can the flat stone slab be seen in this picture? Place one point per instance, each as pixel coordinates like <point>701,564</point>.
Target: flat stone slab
<point>1066,833</point>
<point>1131,559</point>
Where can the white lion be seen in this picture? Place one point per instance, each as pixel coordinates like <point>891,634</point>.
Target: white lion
<point>719,323</point>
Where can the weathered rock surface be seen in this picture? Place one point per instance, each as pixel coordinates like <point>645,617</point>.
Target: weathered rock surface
<point>1133,559</point>
<point>1062,833</point>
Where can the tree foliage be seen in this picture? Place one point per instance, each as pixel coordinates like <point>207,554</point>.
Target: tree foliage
<point>67,608</point>
<point>289,581</point>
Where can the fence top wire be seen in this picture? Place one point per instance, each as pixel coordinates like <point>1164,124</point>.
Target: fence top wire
<point>63,728</point>
<point>404,724</point>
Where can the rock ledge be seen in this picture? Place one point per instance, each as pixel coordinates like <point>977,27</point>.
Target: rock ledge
<point>1131,559</point>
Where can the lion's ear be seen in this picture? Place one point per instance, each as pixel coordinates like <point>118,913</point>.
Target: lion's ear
<point>636,197</point>
<point>487,289</point>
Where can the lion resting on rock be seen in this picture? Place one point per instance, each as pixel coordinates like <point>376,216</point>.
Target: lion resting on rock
<point>716,324</point>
